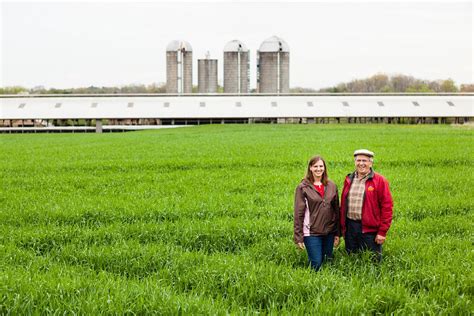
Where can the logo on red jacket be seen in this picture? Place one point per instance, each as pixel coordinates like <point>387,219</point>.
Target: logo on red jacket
<point>371,188</point>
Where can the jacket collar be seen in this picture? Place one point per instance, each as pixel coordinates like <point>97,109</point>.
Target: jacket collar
<point>306,183</point>
<point>353,174</point>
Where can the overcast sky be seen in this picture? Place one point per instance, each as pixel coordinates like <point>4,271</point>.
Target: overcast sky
<point>71,44</point>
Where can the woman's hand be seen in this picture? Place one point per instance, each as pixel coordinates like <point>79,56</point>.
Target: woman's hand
<point>336,241</point>
<point>301,245</point>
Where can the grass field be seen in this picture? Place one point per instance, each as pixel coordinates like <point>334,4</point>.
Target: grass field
<point>200,220</point>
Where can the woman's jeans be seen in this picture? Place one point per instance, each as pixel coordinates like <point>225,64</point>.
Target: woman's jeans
<point>319,248</point>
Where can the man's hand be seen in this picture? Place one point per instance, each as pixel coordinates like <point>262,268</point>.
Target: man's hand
<point>336,241</point>
<point>301,245</point>
<point>379,239</point>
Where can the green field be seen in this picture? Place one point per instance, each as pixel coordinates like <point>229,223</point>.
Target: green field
<point>199,220</point>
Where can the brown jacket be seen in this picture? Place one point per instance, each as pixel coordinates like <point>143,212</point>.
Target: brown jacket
<point>323,211</point>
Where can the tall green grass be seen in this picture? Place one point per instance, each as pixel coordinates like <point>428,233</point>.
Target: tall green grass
<point>199,221</point>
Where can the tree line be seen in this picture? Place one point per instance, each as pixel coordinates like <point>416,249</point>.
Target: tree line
<point>382,83</point>
<point>133,88</point>
<point>379,83</point>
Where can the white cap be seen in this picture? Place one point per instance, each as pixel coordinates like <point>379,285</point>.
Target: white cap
<point>364,152</point>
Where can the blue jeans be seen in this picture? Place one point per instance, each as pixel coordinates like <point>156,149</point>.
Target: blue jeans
<point>319,248</point>
<point>356,241</point>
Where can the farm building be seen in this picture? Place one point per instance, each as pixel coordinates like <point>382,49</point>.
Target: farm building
<point>168,109</point>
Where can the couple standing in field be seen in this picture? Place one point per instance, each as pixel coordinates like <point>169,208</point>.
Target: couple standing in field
<point>363,217</point>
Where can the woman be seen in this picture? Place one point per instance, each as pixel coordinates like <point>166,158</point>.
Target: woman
<point>316,218</point>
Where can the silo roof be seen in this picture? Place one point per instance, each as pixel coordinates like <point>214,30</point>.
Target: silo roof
<point>274,44</point>
<point>233,46</point>
<point>176,45</point>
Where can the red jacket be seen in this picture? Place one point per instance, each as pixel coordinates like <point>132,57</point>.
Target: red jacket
<point>377,208</point>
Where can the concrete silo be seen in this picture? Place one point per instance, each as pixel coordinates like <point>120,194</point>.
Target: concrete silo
<point>236,67</point>
<point>179,67</point>
<point>273,66</point>
<point>207,75</point>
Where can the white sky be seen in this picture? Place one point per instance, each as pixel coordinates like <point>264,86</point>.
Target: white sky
<point>71,44</point>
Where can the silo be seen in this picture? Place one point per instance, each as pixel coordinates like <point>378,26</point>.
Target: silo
<point>179,67</point>
<point>207,75</point>
<point>236,67</point>
<point>273,66</point>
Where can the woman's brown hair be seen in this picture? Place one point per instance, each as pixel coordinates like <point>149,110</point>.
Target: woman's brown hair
<point>309,174</point>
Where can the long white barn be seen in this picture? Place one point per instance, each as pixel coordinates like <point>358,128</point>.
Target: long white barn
<point>248,106</point>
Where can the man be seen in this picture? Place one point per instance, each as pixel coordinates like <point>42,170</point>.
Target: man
<point>366,207</point>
